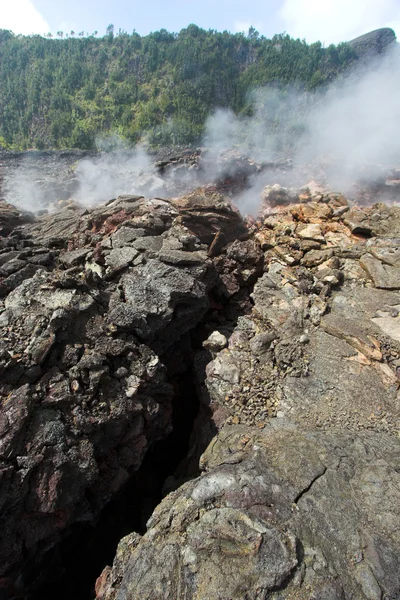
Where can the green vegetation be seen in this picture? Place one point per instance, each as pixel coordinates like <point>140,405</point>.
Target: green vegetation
<point>66,92</point>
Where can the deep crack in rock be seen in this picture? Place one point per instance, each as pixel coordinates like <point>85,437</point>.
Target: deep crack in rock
<point>308,488</point>
<point>277,339</point>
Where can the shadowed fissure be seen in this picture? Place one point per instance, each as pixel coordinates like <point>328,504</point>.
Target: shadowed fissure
<point>69,570</point>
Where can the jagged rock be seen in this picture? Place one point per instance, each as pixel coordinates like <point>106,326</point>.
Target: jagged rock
<point>56,229</point>
<point>358,222</point>
<point>215,342</point>
<point>125,235</point>
<point>11,266</point>
<point>276,195</point>
<point>160,302</point>
<point>16,278</point>
<point>384,276</point>
<point>280,513</point>
<point>261,342</point>
<point>206,214</point>
<point>11,217</point>
<point>73,420</point>
<point>377,220</point>
<point>311,231</point>
<point>239,266</point>
<point>120,258</point>
<point>322,345</point>
<point>74,257</point>
<point>173,256</point>
<point>151,244</point>
<point>313,258</point>
<point>301,332</point>
<point>7,255</point>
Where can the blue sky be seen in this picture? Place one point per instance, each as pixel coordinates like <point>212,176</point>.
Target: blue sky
<point>151,15</point>
<point>329,21</point>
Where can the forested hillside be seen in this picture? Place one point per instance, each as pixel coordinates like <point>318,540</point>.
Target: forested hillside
<point>66,92</point>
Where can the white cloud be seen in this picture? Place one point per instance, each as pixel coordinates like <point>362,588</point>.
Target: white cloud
<point>333,21</point>
<point>20,16</point>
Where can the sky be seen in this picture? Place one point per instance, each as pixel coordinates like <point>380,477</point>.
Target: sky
<point>330,21</point>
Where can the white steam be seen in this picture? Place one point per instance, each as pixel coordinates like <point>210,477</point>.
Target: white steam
<point>349,131</point>
<point>267,133</point>
<point>119,172</point>
<point>358,123</point>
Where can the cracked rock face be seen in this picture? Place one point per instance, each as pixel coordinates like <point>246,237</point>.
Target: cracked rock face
<point>90,301</point>
<point>297,371</point>
<point>299,492</point>
<point>276,514</point>
<point>79,410</point>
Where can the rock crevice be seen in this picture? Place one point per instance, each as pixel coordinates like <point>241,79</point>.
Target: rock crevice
<point>276,338</point>
<point>308,488</point>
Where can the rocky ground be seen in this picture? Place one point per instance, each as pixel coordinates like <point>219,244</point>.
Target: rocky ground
<point>289,325</point>
<point>40,181</point>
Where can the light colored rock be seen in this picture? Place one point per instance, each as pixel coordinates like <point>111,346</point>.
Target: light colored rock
<point>235,531</point>
<point>384,276</point>
<point>389,325</point>
<point>215,342</point>
<point>311,231</point>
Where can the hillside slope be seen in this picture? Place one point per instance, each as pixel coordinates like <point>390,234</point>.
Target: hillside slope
<point>66,92</point>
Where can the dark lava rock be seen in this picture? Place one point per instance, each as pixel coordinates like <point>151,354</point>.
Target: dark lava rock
<point>83,393</point>
<point>160,302</point>
<point>11,217</point>
<point>207,213</point>
<point>79,410</point>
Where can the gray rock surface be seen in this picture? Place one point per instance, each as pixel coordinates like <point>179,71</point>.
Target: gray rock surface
<point>160,302</point>
<point>321,345</point>
<point>11,217</point>
<point>80,406</point>
<point>277,514</point>
<point>374,43</point>
<point>299,493</point>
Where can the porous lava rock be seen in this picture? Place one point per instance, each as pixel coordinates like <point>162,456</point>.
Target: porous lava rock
<point>90,302</point>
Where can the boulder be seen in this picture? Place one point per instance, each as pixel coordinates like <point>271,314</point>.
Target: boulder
<point>11,217</point>
<point>276,195</point>
<point>281,514</point>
